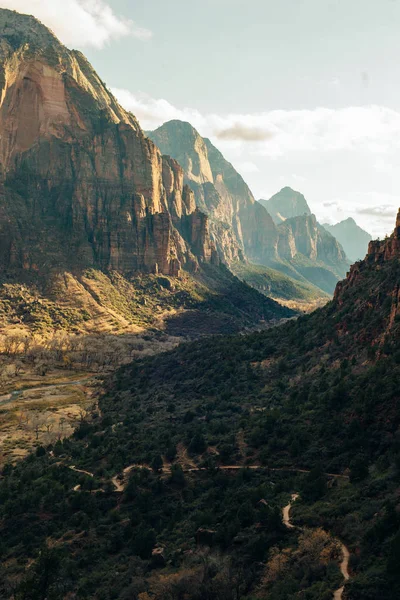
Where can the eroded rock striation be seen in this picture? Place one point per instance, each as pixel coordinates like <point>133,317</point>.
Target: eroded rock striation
<point>80,183</point>
<point>306,236</point>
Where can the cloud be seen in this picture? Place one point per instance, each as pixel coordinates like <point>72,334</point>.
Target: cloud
<point>152,113</point>
<point>384,211</point>
<point>80,23</point>
<point>247,167</point>
<point>241,132</point>
<point>339,158</point>
<point>367,129</point>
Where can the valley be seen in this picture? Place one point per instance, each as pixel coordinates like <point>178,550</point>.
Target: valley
<point>198,391</point>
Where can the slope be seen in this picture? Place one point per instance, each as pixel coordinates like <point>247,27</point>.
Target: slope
<point>319,395</point>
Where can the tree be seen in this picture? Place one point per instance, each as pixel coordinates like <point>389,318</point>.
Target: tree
<point>143,542</point>
<point>157,463</point>
<point>197,444</point>
<point>358,469</point>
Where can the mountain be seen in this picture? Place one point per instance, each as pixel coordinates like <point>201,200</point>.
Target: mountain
<point>313,252</point>
<point>242,228</point>
<point>304,249</point>
<point>81,185</point>
<point>286,204</point>
<point>178,479</point>
<point>353,238</point>
<point>239,225</point>
<point>82,188</point>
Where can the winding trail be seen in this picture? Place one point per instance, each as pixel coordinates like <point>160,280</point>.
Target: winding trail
<point>286,512</point>
<point>344,569</point>
<point>73,468</point>
<point>119,480</point>
<point>344,564</point>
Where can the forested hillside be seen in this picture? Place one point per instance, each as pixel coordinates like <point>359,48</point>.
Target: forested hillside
<point>174,487</point>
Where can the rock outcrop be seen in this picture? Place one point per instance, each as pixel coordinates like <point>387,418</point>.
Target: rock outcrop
<point>304,235</point>
<point>379,253</point>
<point>240,226</point>
<point>80,183</point>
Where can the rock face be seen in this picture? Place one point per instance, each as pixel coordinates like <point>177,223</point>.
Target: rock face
<point>80,184</point>
<point>353,238</point>
<point>306,236</point>
<point>379,253</point>
<point>286,204</point>
<point>240,226</point>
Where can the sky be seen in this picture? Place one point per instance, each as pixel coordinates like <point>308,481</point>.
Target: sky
<point>304,93</point>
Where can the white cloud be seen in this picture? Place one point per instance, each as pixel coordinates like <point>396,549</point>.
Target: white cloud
<point>79,23</point>
<point>277,132</point>
<point>247,167</point>
<point>343,160</point>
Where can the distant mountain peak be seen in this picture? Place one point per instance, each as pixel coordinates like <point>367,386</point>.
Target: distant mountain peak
<point>286,204</point>
<point>353,238</point>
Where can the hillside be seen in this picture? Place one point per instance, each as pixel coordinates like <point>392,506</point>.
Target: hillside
<point>353,238</point>
<point>318,395</point>
<point>296,292</point>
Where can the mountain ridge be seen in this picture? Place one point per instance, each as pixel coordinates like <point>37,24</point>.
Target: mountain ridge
<point>353,238</point>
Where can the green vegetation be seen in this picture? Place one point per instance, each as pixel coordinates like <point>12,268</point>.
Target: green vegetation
<point>320,393</point>
<point>272,282</point>
<point>96,301</point>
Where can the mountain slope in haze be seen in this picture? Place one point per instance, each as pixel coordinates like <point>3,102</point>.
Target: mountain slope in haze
<point>353,238</point>
<point>304,249</point>
<point>319,394</point>
<point>312,251</point>
<point>286,204</point>
<point>240,226</point>
<point>222,193</point>
<point>82,188</point>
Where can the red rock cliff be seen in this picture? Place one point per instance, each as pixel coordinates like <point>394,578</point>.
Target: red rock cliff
<point>80,184</point>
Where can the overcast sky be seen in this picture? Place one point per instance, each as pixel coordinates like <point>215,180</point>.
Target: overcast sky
<point>304,93</point>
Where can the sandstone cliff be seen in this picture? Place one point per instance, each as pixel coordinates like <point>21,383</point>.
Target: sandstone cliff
<point>80,184</point>
<point>379,253</point>
<point>306,236</point>
<point>239,225</point>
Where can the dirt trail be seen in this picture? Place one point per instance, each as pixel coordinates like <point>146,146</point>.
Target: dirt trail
<point>286,512</point>
<point>73,468</point>
<point>344,569</point>
<point>120,482</point>
<point>344,565</point>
